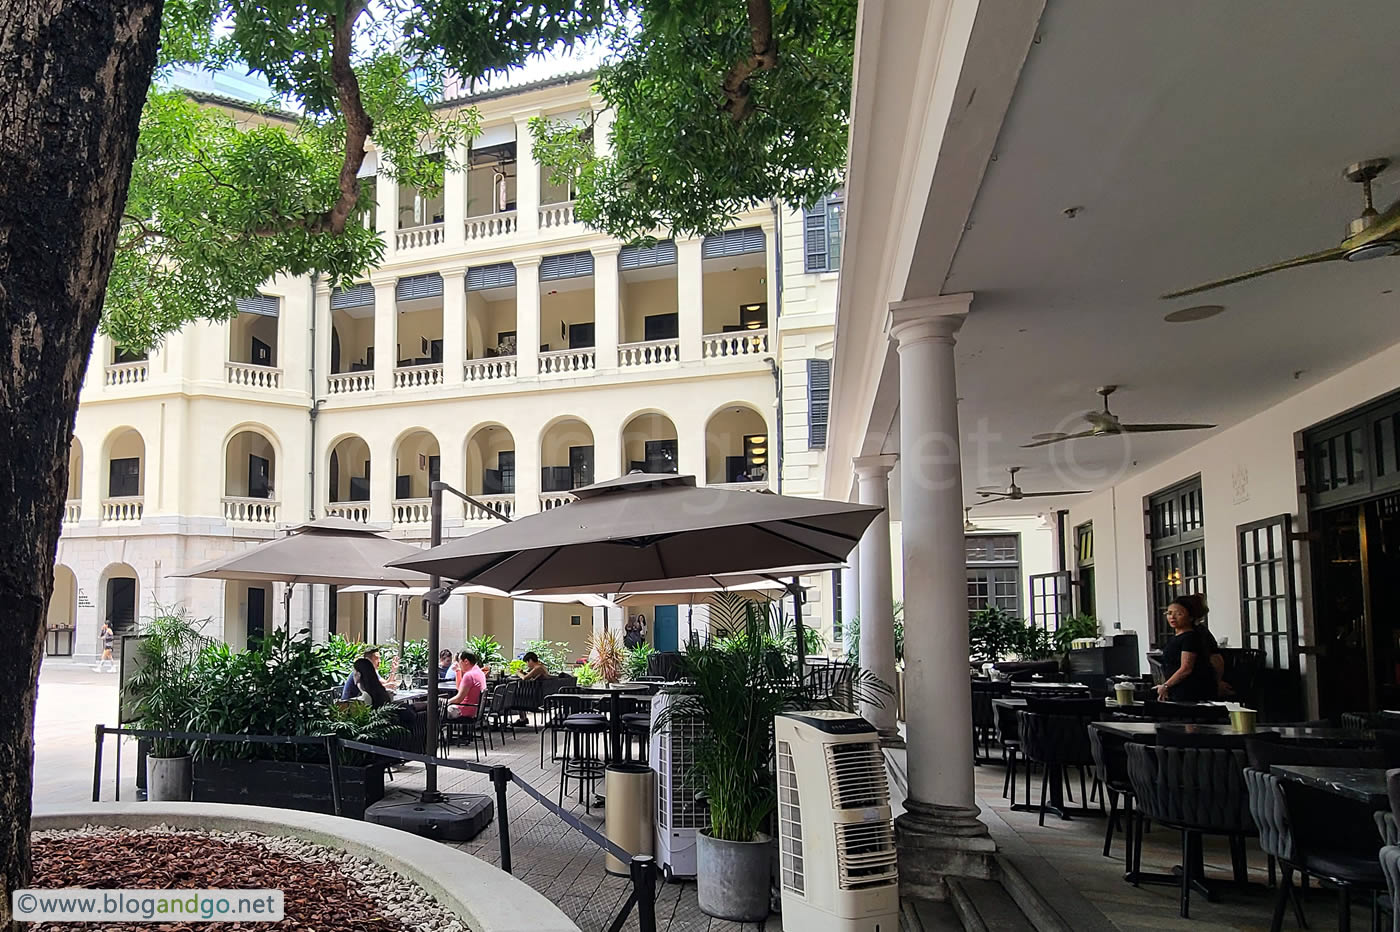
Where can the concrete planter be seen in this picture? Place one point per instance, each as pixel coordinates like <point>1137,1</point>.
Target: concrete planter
<point>287,785</point>
<point>168,779</point>
<point>732,877</point>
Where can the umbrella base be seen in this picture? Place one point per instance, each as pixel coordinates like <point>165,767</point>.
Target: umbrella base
<point>454,817</point>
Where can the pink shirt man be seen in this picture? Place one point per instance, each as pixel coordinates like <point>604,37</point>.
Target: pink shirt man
<point>470,685</point>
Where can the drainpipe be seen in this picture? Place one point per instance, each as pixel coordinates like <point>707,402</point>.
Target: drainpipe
<point>774,337</point>
<point>315,405</point>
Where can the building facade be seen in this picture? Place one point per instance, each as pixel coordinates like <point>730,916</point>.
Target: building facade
<point>500,346</point>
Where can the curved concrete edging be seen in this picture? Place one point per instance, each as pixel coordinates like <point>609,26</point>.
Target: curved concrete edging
<point>487,898</point>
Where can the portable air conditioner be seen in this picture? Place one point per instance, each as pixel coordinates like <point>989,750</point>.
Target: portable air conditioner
<point>680,813</point>
<point>835,827</point>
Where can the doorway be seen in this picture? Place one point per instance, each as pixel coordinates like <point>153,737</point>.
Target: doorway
<point>1356,572</point>
<point>121,603</point>
<point>257,616</point>
<point>664,632</point>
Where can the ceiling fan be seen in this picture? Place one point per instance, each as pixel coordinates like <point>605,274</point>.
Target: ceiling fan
<point>1014,493</point>
<point>1373,235</point>
<point>1105,422</point>
<point>972,527</point>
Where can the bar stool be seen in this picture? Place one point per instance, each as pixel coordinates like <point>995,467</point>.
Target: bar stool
<point>636,725</point>
<point>581,761</point>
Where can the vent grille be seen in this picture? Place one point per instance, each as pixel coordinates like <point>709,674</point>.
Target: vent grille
<point>789,821</point>
<point>358,296</point>
<point>571,265</point>
<point>263,305</point>
<point>678,805</point>
<point>857,775</point>
<point>642,257</point>
<point>732,243</point>
<point>865,854</point>
<point>419,286</point>
<point>482,277</point>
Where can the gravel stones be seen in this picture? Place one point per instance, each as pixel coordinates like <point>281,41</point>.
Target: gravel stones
<point>325,889</point>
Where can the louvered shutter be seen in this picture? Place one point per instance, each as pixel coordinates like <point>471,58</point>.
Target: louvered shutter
<point>570,265</point>
<point>643,257</point>
<point>482,277</point>
<point>262,305</point>
<point>732,243</point>
<point>418,286</point>
<point>815,237</point>
<point>818,401</point>
<point>356,296</point>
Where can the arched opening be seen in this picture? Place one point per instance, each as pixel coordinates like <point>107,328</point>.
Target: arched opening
<point>417,464</point>
<point>490,465</point>
<point>566,458</point>
<point>120,604</point>
<point>63,613</point>
<point>348,479</point>
<point>250,472</point>
<point>736,446</point>
<point>126,477</point>
<point>649,444</point>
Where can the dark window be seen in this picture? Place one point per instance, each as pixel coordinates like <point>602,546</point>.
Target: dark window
<point>1084,567</point>
<point>993,573</point>
<point>837,594</point>
<point>1176,528</point>
<point>1356,456</point>
<point>581,466</point>
<point>821,227</point>
<point>121,355</point>
<point>505,470</point>
<point>661,456</point>
<point>259,477</point>
<point>661,327</point>
<point>1267,605</point>
<point>818,401</point>
<point>124,477</point>
<point>580,336</point>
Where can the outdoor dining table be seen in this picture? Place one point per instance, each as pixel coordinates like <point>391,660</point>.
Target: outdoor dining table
<point>1359,784</point>
<point>1147,732</point>
<point>615,691</point>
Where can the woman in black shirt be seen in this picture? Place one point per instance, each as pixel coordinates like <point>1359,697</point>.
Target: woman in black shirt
<point>1187,657</point>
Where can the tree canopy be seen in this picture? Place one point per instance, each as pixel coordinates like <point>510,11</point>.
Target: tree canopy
<point>716,104</point>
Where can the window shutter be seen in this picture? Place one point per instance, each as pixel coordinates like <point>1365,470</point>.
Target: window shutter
<point>418,286</point>
<point>482,277</point>
<point>815,236</point>
<point>818,401</point>
<point>642,257</point>
<point>357,296</point>
<point>571,265</point>
<point>262,305</point>
<point>732,243</point>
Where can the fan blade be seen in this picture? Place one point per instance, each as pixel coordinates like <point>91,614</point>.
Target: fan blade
<point>1047,494</point>
<point>1157,428</point>
<point>1386,226</point>
<point>999,496</point>
<point>1042,443</point>
<point>1327,255</point>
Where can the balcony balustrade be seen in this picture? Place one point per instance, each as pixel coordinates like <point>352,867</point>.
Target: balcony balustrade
<point>413,510</point>
<point>650,353</point>
<point>737,343</point>
<point>428,235</point>
<point>418,376</point>
<point>567,362</point>
<point>505,504</point>
<point>759,486</point>
<point>350,511</point>
<point>555,216</point>
<point>551,500</point>
<point>126,509</point>
<point>348,383</point>
<point>494,369</point>
<point>492,226</point>
<point>72,511</point>
<point>128,373</point>
<point>251,376</point>
<point>243,510</point>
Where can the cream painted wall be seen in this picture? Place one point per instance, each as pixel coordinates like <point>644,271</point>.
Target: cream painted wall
<point>414,328</point>
<point>558,626</point>
<point>724,437</point>
<point>351,614</point>
<point>567,307</point>
<point>643,299</point>
<point>63,604</point>
<point>559,436</point>
<point>244,328</point>
<point>356,336</point>
<point>486,320</point>
<point>1248,472</point>
<point>724,291</point>
<point>127,444</point>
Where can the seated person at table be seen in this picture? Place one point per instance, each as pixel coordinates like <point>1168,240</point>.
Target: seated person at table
<point>351,689</point>
<point>446,670</point>
<point>534,670</point>
<point>472,684</point>
<point>1187,657</point>
<point>366,675</point>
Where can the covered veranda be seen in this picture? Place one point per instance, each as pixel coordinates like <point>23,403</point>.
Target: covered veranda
<point>1016,210</point>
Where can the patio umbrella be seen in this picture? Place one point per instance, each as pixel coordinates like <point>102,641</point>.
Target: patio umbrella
<point>645,527</point>
<point>328,550</point>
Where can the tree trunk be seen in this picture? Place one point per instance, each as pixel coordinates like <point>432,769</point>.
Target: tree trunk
<point>73,77</point>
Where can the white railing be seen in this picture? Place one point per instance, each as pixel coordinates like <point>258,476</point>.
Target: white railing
<point>418,376</point>
<point>505,504</point>
<point>128,373</point>
<point>650,353</point>
<point>125,509</point>
<point>413,510</point>
<point>242,373</point>
<point>550,500</point>
<point>493,369</point>
<point>759,486</point>
<point>346,383</point>
<point>569,361</point>
<point>431,234</point>
<point>553,216</point>
<point>492,225</point>
<point>350,511</point>
<point>738,343</point>
<point>243,510</point>
<point>72,511</point>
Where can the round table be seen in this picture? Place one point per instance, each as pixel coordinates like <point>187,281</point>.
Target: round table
<point>615,690</point>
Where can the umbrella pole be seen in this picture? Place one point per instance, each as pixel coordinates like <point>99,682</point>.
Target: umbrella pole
<point>287,606</point>
<point>795,591</point>
<point>430,791</point>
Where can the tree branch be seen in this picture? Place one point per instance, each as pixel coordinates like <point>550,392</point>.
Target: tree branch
<point>764,58</point>
<point>358,124</point>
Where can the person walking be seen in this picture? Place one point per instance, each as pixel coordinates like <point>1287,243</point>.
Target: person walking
<point>108,636</point>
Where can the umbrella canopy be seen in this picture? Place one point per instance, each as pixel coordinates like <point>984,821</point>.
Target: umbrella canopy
<point>650,527</point>
<point>665,591</point>
<point>329,550</point>
<point>589,599</point>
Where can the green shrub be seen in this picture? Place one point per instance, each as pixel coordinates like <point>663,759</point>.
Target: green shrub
<point>1073,628</point>
<point>587,675</point>
<point>634,666</point>
<point>553,654</point>
<point>487,648</point>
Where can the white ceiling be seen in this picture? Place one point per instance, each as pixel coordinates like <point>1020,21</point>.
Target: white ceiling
<point>1199,138</point>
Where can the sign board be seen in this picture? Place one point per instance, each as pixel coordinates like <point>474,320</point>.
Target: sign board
<point>83,600</point>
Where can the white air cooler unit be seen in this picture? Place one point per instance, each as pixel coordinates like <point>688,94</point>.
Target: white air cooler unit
<point>835,827</point>
<point>680,813</point>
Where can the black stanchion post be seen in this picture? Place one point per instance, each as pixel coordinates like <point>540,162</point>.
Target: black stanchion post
<point>333,759</point>
<point>501,777</point>
<point>643,871</point>
<point>430,787</point>
<point>99,731</point>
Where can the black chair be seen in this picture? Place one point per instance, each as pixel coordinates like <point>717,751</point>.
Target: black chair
<point>1009,736</point>
<point>529,697</point>
<point>467,729</point>
<point>500,708</point>
<point>1058,742</point>
<point>1111,769</point>
<point>558,708</point>
<point>984,718</point>
<point>1390,853</point>
<point>1198,791</point>
<point>636,725</point>
<point>583,761</point>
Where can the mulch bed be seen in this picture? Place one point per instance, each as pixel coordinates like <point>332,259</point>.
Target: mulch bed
<point>318,896</point>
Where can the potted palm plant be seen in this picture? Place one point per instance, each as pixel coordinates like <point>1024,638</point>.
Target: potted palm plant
<point>162,690</point>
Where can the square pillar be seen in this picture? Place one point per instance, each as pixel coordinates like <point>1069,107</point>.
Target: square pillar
<point>527,317</point>
<point>386,208</point>
<point>454,198</point>
<point>386,334</point>
<point>529,625</point>
<point>605,306</point>
<point>454,324</point>
<point>527,180</point>
<point>381,479</point>
<point>877,594</point>
<point>690,298</point>
<point>325,328</point>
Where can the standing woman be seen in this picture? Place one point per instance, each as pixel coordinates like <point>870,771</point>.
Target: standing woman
<point>1189,658</point>
<point>107,637</point>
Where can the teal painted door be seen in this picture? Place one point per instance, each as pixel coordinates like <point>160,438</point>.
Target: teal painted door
<point>664,634</point>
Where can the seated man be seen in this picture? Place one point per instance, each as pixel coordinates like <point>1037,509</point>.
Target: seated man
<point>446,671</point>
<point>467,700</point>
<point>534,670</point>
<point>351,689</point>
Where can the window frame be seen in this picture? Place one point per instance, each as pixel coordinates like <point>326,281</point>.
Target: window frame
<point>1175,525</point>
<point>825,220</point>
<point>998,571</point>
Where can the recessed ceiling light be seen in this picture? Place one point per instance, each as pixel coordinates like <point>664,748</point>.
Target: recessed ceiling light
<point>1053,435</point>
<point>1189,314</point>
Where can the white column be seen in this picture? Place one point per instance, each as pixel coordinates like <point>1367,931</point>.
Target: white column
<point>325,328</point>
<point>690,298</point>
<point>527,317</point>
<point>454,324</point>
<point>386,334</point>
<point>605,305</point>
<point>529,625</point>
<point>386,210</point>
<point>454,196</point>
<point>850,592</point>
<point>940,830</point>
<point>527,180</point>
<point>381,479</point>
<point>877,592</point>
<point>602,131</point>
